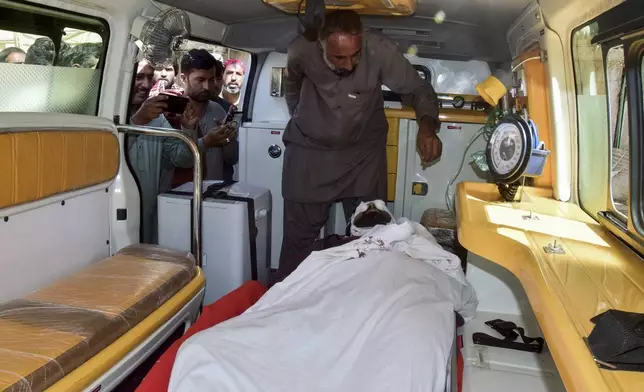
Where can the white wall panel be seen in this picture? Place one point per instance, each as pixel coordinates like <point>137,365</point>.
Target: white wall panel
<point>455,138</point>
<point>43,244</point>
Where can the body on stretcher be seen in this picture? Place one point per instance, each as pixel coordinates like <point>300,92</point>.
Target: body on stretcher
<point>362,310</point>
<point>237,302</point>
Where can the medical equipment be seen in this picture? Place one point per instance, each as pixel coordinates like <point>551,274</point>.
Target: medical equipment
<point>515,152</point>
<point>235,248</point>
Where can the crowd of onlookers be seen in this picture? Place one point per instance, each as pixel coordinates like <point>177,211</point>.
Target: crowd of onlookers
<point>43,52</point>
<point>213,89</point>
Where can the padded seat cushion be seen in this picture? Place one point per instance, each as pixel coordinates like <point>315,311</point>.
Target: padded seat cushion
<point>49,333</point>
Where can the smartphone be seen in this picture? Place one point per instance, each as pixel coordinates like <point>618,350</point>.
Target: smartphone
<point>176,104</point>
<point>231,114</point>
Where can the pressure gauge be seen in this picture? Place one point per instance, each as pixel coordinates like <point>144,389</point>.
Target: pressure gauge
<point>458,102</point>
<point>509,149</point>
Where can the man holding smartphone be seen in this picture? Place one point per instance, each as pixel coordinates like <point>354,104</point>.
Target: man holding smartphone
<point>202,118</point>
<point>152,159</point>
<point>216,138</point>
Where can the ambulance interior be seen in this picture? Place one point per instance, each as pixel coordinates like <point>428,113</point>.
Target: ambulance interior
<point>85,306</point>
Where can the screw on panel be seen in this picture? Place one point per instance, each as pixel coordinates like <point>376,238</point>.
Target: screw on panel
<point>62,203</point>
<point>6,219</point>
<point>107,190</point>
<point>107,242</point>
<point>530,217</point>
<point>554,249</point>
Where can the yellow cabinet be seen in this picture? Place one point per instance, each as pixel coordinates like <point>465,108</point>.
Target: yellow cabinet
<point>366,7</point>
<point>392,157</point>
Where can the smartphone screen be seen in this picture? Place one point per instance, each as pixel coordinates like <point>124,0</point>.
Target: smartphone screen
<point>230,115</point>
<point>175,103</point>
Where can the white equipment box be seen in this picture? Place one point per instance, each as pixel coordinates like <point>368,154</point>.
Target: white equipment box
<point>225,234</point>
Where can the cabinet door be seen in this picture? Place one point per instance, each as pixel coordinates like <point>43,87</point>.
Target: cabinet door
<point>455,137</point>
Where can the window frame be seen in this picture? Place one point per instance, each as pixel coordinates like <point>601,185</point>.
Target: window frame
<point>621,26</point>
<point>634,62</point>
<point>606,48</point>
<point>71,19</point>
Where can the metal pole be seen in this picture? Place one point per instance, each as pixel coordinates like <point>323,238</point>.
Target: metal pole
<point>196,211</point>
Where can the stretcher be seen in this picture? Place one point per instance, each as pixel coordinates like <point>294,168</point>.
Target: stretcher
<point>236,303</point>
<point>376,313</point>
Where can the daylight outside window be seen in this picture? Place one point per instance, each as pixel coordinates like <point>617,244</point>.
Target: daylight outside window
<point>49,70</point>
<point>619,129</point>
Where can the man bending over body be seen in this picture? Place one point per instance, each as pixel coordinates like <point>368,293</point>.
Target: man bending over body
<point>336,138</point>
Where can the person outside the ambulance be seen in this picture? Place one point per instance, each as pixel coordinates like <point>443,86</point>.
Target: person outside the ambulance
<point>234,73</point>
<point>336,137</point>
<point>154,159</point>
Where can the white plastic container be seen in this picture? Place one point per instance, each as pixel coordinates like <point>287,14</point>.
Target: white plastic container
<point>225,234</point>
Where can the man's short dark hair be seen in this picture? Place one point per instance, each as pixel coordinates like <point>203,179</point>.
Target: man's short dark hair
<point>197,59</point>
<point>5,53</point>
<point>84,55</point>
<point>219,68</point>
<point>341,21</point>
<point>43,52</point>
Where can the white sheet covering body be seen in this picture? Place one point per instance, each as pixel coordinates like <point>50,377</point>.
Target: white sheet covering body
<point>376,314</point>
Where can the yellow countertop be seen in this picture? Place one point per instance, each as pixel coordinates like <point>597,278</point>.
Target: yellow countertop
<point>446,115</point>
<point>596,273</point>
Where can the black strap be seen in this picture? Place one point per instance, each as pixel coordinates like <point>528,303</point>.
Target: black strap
<point>252,230</point>
<point>507,330</point>
<point>215,191</point>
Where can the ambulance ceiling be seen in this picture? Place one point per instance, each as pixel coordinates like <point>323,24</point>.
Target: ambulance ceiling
<point>473,29</point>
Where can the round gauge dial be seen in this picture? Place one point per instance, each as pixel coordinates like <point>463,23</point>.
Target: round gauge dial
<point>507,146</point>
<point>508,150</point>
<point>458,102</point>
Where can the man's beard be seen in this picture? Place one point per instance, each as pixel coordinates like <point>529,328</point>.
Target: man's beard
<point>233,89</point>
<point>201,96</point>
<point>341,72</point>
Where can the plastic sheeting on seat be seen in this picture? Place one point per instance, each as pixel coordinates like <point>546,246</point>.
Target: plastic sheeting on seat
<point>49,333</point>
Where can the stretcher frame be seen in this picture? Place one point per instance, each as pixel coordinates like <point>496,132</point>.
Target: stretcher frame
<point>451,384</point>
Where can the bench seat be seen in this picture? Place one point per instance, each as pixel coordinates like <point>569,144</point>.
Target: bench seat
<point>50,332</point>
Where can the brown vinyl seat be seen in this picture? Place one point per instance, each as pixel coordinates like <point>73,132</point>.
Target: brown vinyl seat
<point>50,332</point>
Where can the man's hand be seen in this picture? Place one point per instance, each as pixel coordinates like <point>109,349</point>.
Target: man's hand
<point>150,109</point>
<point>220,136</point>
<point>190,117</point>
<point>428,145</point>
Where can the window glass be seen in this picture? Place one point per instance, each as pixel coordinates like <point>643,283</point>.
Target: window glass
<point>46,68</point>
<point>593,120</point>
<point>619,129</point>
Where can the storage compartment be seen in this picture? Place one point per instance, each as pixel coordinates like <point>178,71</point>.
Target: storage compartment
<point>367,7</point>
<point>491,369</point>
<point>225,232</point>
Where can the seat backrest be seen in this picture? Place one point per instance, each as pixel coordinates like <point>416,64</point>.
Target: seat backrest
<point>54,204</point>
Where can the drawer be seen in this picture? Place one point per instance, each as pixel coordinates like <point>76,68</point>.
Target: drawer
<point>392,133</point>
<point>392,159</point>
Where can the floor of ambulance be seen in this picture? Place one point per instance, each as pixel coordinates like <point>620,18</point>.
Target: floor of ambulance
<point>496,369</point>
